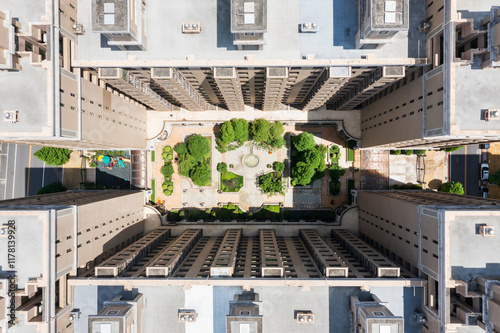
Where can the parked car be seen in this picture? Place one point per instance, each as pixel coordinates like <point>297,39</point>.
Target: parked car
<point>485,171</point>
<point>484,146</point>
<point>484,191</point>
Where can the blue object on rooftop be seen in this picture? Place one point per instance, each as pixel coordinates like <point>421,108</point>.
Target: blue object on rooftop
<point>106,159</point>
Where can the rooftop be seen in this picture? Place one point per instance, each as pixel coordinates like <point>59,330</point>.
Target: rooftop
<point>389,14</point>
<point>336,20</point>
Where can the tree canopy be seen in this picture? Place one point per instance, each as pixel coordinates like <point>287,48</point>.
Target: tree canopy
<point>259,129</point>
<point>201,175</point>
<point>53,156</point>
<point>303,141</point>
<point>227,133</point>
<point>452,187</point>
<point>167,170</point>
<point>241,128</point>
<point>302,173</point>
<point>198,146</point>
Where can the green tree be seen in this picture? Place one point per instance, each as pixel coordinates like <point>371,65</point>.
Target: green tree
<point>276,131</point>
<point>167,170</point>
<point>52,188</point>
<point>303,141</point>
<point>408,152</point>
<point>227,133</point>
<point>201,175</point>
<point>181,148</point>
<point>222,167</point>
<point>259,129</point>
<point>302,173</point>
<point>312,157</point>
<point>241,128</point>
<point>396,152</point>
<point>186,163</point>
<point>198,146</point>
<point>279,166</point>
<point>452,187</point>
<point>53,156</point>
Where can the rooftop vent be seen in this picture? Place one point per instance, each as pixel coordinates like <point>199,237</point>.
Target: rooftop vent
<point>309,27</point>
<point>12,116</point>
<point>492,114</point>
<point>305,318</point>
<point>78,29</point>
<point>191,28</point>
<point>487,230</point>
<point>187,316</point>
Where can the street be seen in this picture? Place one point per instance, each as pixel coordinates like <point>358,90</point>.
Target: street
<point>21,173</point>
<point>464,168</point>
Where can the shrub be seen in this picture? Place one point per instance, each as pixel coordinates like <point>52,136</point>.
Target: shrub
<point>186,163</point>
<point>312,157</point>
<point>53,156</point>
<point>451,149</point>
<point>93,164</point>
<point>408,152</point>
<point>279,166</point>
<point>495,178</point>
<point>271,184</point>
<point>201,175</point>
<point>198,146</point>
<point>259,130</point>
<point>167,170</point>
<point>452,187</point>
<point>227,133</point>
<point>51,188</point>
<point>303,141</point>
<point>396,152</point>
<point>181,148</point>
<point>222,167</point>
<point>276,131</point>
<point>241,128</point>
<point>278,143</point>
<point>167,149</point>
<point>420,152</point>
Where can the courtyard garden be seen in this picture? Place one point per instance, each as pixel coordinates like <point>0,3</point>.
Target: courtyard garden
<point>167,171</point>
<point>230,182</point>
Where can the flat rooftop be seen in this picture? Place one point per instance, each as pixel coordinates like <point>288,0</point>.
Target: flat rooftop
<point>337,22</point>
<point>330,306</point>
<point>472,254</point>
<point>389,14</point>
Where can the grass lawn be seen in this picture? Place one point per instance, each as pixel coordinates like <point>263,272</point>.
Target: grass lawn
<point>153,156</point>
<point>231,182</point>
<point>153,194</point>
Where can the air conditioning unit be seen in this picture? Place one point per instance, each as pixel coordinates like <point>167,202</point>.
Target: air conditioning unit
<point>309,27</point>
<point>191,28</point>
<point>492,114</point>
<point>78,29</point>
<point>187,316</point>
<point>12,116</point>
<point>487,230</point>
<point>305,318</point>
<point>74,315</point>
<point>419,318</point>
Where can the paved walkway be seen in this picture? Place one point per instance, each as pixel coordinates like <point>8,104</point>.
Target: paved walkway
<point>157,121</point>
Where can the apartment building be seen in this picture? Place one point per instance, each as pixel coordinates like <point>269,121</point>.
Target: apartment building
<point>448,240</point>
<point>46,100</point>
<point>55,237</point>
<point>452,100</point>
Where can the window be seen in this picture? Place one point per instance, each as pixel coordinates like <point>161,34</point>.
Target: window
<point>383,32</point>
<point>378,313</point>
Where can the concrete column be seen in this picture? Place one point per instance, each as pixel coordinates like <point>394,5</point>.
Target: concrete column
<point>330,81</point>
<point>136,85</point>
<point>63,291</point>
<point>276,80</point>
<point>371,85</point>
<point>229,86</point>
<point>174,83</point>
